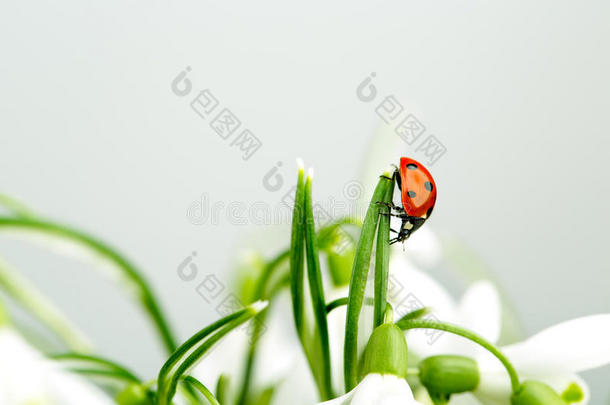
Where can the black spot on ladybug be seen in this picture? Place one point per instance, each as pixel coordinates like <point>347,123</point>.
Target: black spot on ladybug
<point>412,194</point>
<point>412,166</point>
<point>428,186</point>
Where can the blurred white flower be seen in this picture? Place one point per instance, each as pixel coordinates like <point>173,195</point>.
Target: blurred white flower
<point>553,356</point>
<point>377,389</point>
<point>27,377</point>
<point>478,310</point>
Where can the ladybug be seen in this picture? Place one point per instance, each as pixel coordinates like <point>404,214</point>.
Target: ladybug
<point>418,196</point>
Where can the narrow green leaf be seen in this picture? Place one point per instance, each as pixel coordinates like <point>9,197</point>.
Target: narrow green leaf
<point>317,291</point>
<point>109,365</point>
<point>263,290</point>
<point>16,207</point>
<point>187,355</point>
<point>35,303</point>
<point>181,351</point>
<point>296,256</point>
<point>382,259</point>
<point>111,374</point>
<point>358,282</point>
<point>132,275</point>
<point>195,383</point>
<point>222,388</point>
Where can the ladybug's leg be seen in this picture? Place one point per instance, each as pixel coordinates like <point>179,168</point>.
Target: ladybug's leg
<point>392,206</point>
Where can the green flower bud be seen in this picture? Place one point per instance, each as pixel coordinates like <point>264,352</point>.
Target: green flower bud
<point>536,393</point>
<point>448,374</point>
<point>340,265</point>
<point>134,394</point>
<point>386,352</point>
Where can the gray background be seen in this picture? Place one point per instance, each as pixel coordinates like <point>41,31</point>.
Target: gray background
<point>92,135</point>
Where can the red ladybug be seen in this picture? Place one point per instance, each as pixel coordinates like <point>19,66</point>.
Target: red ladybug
<point>418,195</point>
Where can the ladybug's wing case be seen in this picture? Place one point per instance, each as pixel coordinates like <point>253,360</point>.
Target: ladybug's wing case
<point>418,190</point>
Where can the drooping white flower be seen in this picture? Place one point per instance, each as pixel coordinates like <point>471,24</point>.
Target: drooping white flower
<point>553,356</point>
<point>27,377</point>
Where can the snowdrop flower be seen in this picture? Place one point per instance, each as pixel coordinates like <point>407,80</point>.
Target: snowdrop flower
<point>27,377</point>
<point>553,356</point>
<point>385,369</point>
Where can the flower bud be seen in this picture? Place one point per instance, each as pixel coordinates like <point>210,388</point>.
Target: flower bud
<point>134,394</point>
<point>448,374</point>
<point>536,393</point>
<point>386,352</point>
<point>340,265</point>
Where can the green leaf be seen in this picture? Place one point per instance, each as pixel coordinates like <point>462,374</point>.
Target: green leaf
<point>133,277</point>
<point>35,303</point>
<point>382,260</point>
<point>296,256</point>
<point>358,282</point>
<point>195,383</point>
<point>316,290</point>
<point>99,362</point>
<point>190,352</point>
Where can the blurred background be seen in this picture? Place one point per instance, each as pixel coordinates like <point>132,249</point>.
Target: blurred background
<point>505,102</point>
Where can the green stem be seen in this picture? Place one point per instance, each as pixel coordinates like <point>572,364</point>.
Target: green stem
<point>418,313</point>
<point>33,301</point>
<point>316,290</point>
<point>339,302</point>
<point>358,282</point>
<point>382,261</point>
<point>426,324</point>
<point>195,383</point>
<point>131,273</point>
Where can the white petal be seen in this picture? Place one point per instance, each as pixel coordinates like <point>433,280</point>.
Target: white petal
<point>566,348</point>
<point>279,344</point>
<point>494,388</point>
<point>480,310</point>
<point>67,389</point>
<point>26,376</point>
<point>410,289</point>
<point>376,389</point>
<point>423,248</point>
